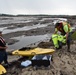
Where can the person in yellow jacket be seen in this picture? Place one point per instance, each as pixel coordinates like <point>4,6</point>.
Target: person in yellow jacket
<point>58,40</point>
<point>65,30</point>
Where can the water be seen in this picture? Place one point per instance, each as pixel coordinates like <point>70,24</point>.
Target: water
<point>5,30</point>
<point>25,41</point>
<point>10,20</point>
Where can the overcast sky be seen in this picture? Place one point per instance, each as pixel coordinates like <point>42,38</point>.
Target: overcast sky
<point>50,7</point>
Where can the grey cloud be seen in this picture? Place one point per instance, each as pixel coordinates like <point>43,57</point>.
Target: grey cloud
<point>39,6</point>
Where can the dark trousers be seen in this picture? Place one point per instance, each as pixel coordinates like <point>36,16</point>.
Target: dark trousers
<point>68,41</point>
<point>3,57</point>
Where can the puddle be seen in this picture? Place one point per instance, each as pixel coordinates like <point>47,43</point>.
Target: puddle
<point>28,41</point>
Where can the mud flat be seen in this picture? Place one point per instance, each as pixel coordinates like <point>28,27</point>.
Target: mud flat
<point>64,63</point>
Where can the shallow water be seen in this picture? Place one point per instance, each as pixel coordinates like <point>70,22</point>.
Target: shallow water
<point>5,31</point>
<point>10,20</point>
<point>25,41</point>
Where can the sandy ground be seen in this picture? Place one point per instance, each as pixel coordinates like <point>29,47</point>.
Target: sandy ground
<point>63,63</point>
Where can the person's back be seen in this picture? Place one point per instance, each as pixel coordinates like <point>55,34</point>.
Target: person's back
<point>62,27</point>
<point>65,30</point>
